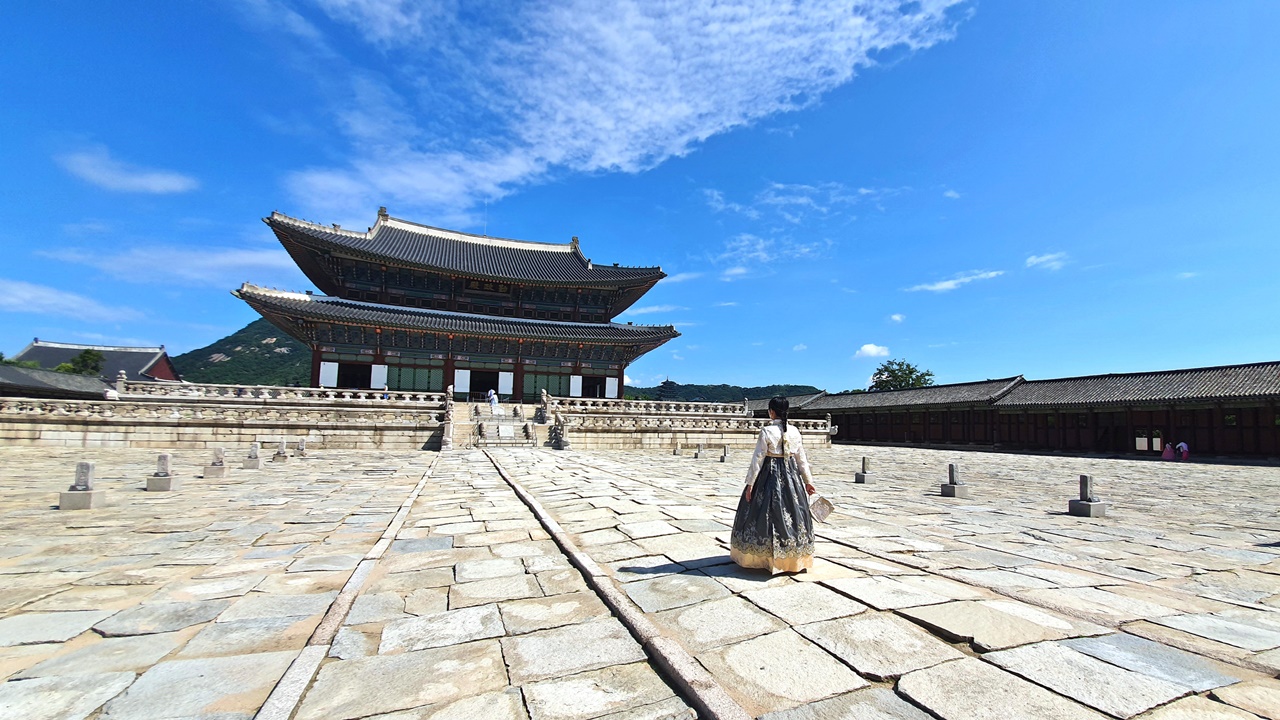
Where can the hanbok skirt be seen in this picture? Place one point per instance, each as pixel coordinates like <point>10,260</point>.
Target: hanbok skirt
<point>774,530</point>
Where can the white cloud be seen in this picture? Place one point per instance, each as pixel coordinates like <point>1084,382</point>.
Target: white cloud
<point>95,165</point>
<point>19,296</point>
<point>734,273</point>
<point>676,356</point>
<point>518,92</point>
<point>800,348</point>
<point>715,201</point>
<point>897,317</point>
<point>1052,261</point>
<point>1186,275</point>
<point>727,304</point>
<point>649,309</point>
<point>626,380</point>
<point>681,277</point>
<point>951,194</point>
<point>872,350</point>
<point>801,203</point>
<point>957,281</point>
<point>167,264</point>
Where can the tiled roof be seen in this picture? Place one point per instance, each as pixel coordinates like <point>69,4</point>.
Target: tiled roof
<point>1211,384</point>
<point>31,382</point>
<point>133,360</point>
<point>983,391</point>
<point>320,308</point>
<point>395,240</point>
<point>796,402</point>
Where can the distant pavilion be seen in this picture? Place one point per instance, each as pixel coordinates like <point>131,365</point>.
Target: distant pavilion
<point>412,307</point>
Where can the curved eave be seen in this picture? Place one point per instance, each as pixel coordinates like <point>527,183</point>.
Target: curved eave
<point>305,236</point>
<point>335,310</point>
<point>1139,402</point>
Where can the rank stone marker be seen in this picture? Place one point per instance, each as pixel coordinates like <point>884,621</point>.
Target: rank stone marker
<point>81,495</point>
<point>724,454</point>
<point>282,452</point>
<point>676,449</point>
<point>1089,505</point>
<point>253,462</point>
<point>164,480</point>
<point>955,487</point>
<point>302,448</point>
<point>865,476</point>
<point>218,468</point>
<point>697,453</point>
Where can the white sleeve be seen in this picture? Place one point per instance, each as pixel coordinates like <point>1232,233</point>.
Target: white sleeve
<point>802,461</point>
<point>757,459</point>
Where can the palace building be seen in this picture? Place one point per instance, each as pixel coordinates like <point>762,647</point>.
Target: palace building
<point>412,307</point>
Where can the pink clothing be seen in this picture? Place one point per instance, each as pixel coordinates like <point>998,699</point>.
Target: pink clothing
<point>1168,452</point>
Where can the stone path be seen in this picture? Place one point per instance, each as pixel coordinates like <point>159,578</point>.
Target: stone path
<point>415,585</point>
<point>209,601</point>
<point>1166,608</point>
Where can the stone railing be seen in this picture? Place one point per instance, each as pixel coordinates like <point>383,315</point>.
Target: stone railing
<point>193,422</point>
<point>257,393</point>
<point>598,406</point>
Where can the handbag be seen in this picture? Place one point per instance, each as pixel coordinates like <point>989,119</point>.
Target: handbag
<point>821,508</point>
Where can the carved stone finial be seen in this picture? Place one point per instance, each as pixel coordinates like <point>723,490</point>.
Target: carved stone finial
<point>84,477</point>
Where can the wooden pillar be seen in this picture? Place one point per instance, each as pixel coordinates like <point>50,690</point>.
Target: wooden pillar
<point>315,368</point>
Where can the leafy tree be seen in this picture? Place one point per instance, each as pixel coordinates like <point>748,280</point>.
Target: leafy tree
<point>19,363</point>
<point>899,375</point>
<point>88,362</point>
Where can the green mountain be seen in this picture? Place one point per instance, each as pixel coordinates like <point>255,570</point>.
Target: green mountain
<point>717,393</point>
<point>257,354</point>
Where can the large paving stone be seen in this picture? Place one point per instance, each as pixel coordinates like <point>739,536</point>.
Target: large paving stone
<point>447,628</point>
<point>562,581</point>
<point>1198,708</point>
<point>885,593</point>
<point>358,688</point>
<point>1112,689</point>
<point>690,549</point>
<point>485,569</point>
<point>70,697</point>
<point>160,618</point>
<point>406,582</point>
<point>1224,630</point>
<point>103,597</point>
<point>131,654</point>
<point>644,568</point>
<point>740,580</point>
<point>207,686</point>
<point>376,608</point>
<point>879,645</point>
<point>214,589</point>
<point>803,603</point>
<point>244,637</point>
<point>1261,697</point>
<point>867,704</point>
<point>1097,604</point>
<point>502,705</point>
<point>778,671</point>
<point>17,658</point>
<point>483,592</point>
<point>717,622</point>
<point>525,616</point>
<point>261,605</point>
<point>33,628</point>
<point>970,689</point>
<point>596,693</point>
<point>672,591</point>
<point>569,649</point>
<point>1154,659</point>
<point>326,562</point>
<point>997,624</point>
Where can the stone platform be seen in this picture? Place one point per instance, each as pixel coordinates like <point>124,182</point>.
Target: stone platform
<point>353,584</point>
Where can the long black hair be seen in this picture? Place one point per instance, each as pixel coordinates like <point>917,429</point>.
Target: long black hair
<point>780,405</point>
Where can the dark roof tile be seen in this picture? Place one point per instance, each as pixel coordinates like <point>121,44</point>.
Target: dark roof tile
<point>980,392</point>
<point>1229,382</point>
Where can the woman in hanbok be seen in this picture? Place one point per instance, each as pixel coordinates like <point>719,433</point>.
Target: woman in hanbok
<point>773,528</point>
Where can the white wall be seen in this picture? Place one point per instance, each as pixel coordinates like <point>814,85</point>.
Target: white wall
<point>328,374</point>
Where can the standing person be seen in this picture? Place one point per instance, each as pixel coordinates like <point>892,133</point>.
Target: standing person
<point>773,528</point>
<point>1184,451</point>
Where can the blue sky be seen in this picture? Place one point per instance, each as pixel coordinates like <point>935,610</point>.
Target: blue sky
<point>981,188</point>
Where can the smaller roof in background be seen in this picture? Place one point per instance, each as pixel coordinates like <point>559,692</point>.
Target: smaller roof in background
<point>138,363</point>
<point>1210,384</point>
<point>971,393</point>
<point>33,382</point>
<point>796,401</point>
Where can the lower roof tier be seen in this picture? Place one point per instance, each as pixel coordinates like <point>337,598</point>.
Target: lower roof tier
<point>286,309</point>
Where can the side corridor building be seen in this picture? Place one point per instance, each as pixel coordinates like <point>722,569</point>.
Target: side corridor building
<point>1226,410</point>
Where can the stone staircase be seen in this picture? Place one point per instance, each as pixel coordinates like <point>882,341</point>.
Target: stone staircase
<point>511,426</point>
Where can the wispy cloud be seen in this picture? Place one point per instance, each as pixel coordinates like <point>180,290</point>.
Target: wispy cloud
<point>1051,261</point>
<point>96,166</point>
<point>871,350</point>
<point>736,272</point>
<point>800,348</point>
<point>802,203</point>
<point>897,317</point>
<point>1186,275</point>
<point>951,194</point>
<point>715,201</point>
<point>650,309</point>
<point>681,277</point>
<point>727,304</point>
<point>165,264</point>
<point>957,281</point>
<point>25,297</point>
<point>574,85</point>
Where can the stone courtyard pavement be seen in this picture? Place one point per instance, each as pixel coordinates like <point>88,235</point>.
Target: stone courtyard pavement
<point>354,584</point>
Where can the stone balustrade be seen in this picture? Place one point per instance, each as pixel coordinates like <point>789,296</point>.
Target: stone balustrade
<point>272,393</point>
<point>598,406</point>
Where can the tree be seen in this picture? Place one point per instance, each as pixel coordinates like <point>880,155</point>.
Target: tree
<point>88,362</point>
<point>899,375</point>
<point>19,363</point>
